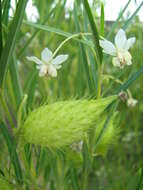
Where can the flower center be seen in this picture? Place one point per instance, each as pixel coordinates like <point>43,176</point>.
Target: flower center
<point>123,56</point>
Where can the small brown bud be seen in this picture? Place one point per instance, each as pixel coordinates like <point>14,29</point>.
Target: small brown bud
<point>123,96</point>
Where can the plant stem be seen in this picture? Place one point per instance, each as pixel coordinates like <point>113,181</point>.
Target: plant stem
<point>67,39</point>
<point>4,106</point>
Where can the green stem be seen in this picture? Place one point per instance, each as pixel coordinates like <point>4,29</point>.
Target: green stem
<point>4,106</point>
<point>99,81</point>
<point>30,170</point>
<point>117,81</point>
<point>21,110</point>
<point>67,39</point>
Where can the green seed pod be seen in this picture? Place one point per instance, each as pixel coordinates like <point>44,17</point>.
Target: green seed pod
<point>62,123</point>
<point>4,185</point>
<point>109,136</point>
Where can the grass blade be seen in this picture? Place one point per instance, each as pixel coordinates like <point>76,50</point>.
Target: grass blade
<point>11,39</point>
<point>0,28</point>
<point>90,55</point>
<point>83,51</point>
<point>6,12</point>
<point>94,30</point>
<point>12,152</point>
<point>30,87</point>
<point>140,180</point>
<point>58,31</point>
<point>15,80</point>
<point>128,22</point>
<point>118,19</point>
<point>131,79</point>
<point>102,20</point>
<point>20,53</point>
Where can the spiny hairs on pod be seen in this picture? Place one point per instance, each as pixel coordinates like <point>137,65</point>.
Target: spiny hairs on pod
<point>62,123</point>
<point>110,134</point>
<point>5,185</point>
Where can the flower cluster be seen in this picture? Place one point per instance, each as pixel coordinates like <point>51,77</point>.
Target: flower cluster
<point>121,55</point>
<point>48,65</point>
<point>119,51</point>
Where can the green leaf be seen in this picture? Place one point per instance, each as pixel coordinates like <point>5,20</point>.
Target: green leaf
<point>94,30</point>
<point>74,179</point>
<point>83,51</point>
<point>129,21</point>
<point>30,87</point>
<point>11,39</point>
<point>58,31</point>
<point>102,20</point>
<point>12,152</point>
<point>15,79</point>
<point>6,12</point>
<point>114,26</point>
<point>140,181</point>
<point>92,60</point>
<point>34,34</point>
<point>1,44</point>
<point>131,79</point>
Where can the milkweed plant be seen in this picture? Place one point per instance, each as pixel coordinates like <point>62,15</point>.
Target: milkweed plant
<point>65,84</point>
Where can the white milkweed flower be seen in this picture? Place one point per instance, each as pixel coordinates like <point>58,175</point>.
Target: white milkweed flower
<point>132,102</point>
<point>119,51</point>
<point>48,65</point>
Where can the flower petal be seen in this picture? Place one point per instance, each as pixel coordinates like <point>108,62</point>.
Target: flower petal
<point>129,62</point>
<point>59,59</point>
<point>116,62</point>
<point>108,47</point>
<point>34,59</point>
<point>132,102</point>
<point>120,39</point>
<point>128,58</point>
<point>130,43</point>
<point>57,66</point>
<point>46,55</point>
<point>52,71</point>
<point>43,70</point>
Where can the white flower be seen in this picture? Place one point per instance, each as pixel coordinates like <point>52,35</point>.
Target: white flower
<point>119,51</point>
<point>132,102</point>
<point>48,65</point>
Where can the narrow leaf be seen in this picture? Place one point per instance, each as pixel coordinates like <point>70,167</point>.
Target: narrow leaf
<point>12,152</point>
<point>34,35</point>
<point>83,51</point>
<point>57,31</point>
<point>118,19</point>
<point>131,79</point>
<point>11,39</point>
<point>94,30</point>
<point>15,79</point>
<point>140,180</point>
<point>102,20</point>
<point>128,22</point>
<point>6,12</point>
<point>0,28</point>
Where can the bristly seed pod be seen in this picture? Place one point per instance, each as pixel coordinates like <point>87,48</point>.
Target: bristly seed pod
<point>5,185</point>
<point>62,123</point>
